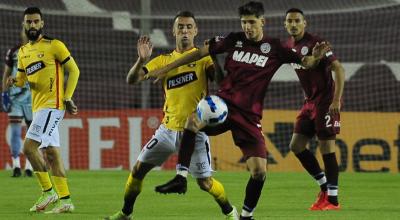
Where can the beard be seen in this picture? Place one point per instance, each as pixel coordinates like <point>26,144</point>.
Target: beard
<point>33,34</point>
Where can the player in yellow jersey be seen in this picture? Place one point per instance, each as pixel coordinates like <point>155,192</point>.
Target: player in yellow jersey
<point>41,63</point>
<point>183,87</point>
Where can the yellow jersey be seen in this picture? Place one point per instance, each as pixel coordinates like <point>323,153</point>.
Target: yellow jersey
<point>183,87</point>
<point>40,63</point>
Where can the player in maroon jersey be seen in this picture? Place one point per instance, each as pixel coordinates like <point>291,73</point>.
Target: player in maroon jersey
<point>320,112</point>
<point>252,60</point>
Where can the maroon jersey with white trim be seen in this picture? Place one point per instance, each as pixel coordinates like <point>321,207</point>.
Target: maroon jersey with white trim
<point>250,66</point>
<point>317,83</point>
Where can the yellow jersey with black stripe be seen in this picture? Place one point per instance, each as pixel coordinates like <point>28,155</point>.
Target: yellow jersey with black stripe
<point>40,63</point>
<point>183,87</point>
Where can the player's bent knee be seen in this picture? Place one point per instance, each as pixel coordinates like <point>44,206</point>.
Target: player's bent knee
<point>296,149</point>
<point>205,183</point>
<point>260,175</point>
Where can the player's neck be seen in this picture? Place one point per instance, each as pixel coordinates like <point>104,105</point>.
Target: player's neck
<point>298,37</point>
<point>37,40</point>
<point>182,49</point>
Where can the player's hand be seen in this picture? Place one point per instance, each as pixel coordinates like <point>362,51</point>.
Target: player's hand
<point>320,49</point>
<point>334,108</point>
<point>71,107</point>
<point>5,102</point>
<point>144,48</point>
<point>10,82</point>
<point>157,75</point>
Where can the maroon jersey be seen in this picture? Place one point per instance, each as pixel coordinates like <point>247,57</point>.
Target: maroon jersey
<point>317,83</point>
<point>250,66</point>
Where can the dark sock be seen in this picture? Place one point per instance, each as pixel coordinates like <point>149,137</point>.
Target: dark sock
<point>186,148</point>
<point>310,163</point>
<point>253,193</point>
<point>332,175</point>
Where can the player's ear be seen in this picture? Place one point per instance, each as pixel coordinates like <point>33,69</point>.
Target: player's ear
<point>262,21</point>
<point>305,23</point>
<point>195,30</point>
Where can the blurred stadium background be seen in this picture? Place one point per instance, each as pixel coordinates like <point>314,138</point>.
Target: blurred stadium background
<point>115,119</point>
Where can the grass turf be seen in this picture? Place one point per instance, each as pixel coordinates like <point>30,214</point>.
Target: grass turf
<point>286,196</point>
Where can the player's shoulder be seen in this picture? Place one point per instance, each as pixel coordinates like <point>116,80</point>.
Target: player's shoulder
<point>13,49</point>
<point>237,35</point>
<point>313,37</point>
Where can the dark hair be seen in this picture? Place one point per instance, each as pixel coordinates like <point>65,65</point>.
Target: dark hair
<point>185,14</point>
<point>33,10</point>
<point>295,10</point>
<point>252,8</point>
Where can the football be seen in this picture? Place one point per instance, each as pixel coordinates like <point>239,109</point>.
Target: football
<point>212,110</point>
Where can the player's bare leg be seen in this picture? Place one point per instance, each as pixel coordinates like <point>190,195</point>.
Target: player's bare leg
<point>179,184</point>
<point>327,148</point>
<point>133,188</point>
<point>39,166</point>
<point>60,181</point>
<point>310,163</point>
<point>258,169</point>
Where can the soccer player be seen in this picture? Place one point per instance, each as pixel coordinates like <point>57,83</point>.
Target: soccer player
<point>252,59</point>
<point>320,112</point>
<point>17,102</point>
<point>190,80</point>
<point>42,62</point>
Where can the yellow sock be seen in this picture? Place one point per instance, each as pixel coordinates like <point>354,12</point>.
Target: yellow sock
<point>218,192</point>
<point>44,180</point>
<point>133,186</point>
<point>60,183</point>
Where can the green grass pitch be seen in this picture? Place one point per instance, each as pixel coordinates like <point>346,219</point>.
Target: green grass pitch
<point>286,196</point>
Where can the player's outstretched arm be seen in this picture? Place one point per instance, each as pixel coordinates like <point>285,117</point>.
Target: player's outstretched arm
<point>338,70</point>
<point>319,51</point>
<point>196,55</point>
<point>144,50</point>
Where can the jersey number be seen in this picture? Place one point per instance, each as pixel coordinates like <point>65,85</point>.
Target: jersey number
<point>151,143</point>
<point>328,121</point>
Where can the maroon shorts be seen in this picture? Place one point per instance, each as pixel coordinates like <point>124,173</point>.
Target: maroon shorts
<point>314,119</point>
<point>246,133</point>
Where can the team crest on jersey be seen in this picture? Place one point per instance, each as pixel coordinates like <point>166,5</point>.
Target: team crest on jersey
<point>181,80</point>
<point>304,50</point>
<point>265,47</point>
<point>40,55</point>
<point>239,43</point>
